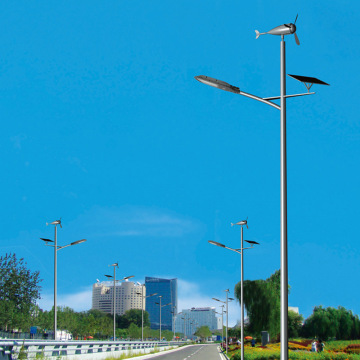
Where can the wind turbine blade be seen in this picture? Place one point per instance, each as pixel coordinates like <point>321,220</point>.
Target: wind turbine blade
<point>296,18</point>
<point>297,39</point>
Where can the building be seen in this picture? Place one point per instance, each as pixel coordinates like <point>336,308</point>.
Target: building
<point>194,318</point>
<point>126,296</point>
<point>167,288</point>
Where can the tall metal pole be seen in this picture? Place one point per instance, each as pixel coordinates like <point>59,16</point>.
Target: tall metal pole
<point>114,306</point>
<point>174,320</point>
<point>160,318</point>
<point>227,320</point>
<point>242,293</point>
<point>184,329</point>
<point>55,283</point>
<point>142,312</point>
<point>283,211</point>
<point>222,323</point>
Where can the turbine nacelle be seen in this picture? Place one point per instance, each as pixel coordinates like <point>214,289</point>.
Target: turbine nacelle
<point>56,222</point>
<point>285,29</point>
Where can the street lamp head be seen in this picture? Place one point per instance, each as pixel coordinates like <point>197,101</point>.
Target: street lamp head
<point>115,264</point>
<point>78,242</point>
<point>252,242</point>
<point>152,295</point>
<point>207,80</point>
<point>46,240</point>
<point>109,276</point>
<point>128,277</point>
<point>216,243</point>
<point>216,299</point>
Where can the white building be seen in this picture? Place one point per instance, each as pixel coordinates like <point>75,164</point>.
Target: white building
<point>126,296</point>
<point>194,318</point>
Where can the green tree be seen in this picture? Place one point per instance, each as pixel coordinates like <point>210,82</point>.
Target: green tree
<point>294,324</point>
<point>330,322</point>
<point>19,291</point>
<point>134,331</point>
<point>132,316</point>
<point>203,333</point>
<point>167,334</point>
<point>262,302</point>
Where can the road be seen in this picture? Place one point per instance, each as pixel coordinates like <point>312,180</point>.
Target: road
<point>191,352</point>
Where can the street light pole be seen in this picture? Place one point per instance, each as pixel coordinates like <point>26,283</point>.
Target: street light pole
<point>116,265</point>
<point>283,201</point>
<point>227,314</point>
<point>55,282</point>
<point>161,306</point>
<point>239,251</point>
<point>174,313</point>
<point>142,308</point>
<point>282,30</point>
<point>222,323</point>
<point>56,248</point>
<point>242,223</point>
<point>160,317</point>
<point>227,320</point>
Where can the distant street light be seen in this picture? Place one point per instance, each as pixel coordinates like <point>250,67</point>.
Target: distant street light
<point>174,314</point>
<point>183,318</point>
<point>227,313</point>
<point>116,265</point>
<point>142,308</point>
<point>240,251</point>
<point>222,322</point>
<point>161,306</point>
<point>282,30</point>
<point>56,248</point>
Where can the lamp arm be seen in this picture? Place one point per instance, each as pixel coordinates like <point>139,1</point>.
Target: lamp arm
<point>62,247</point>
<point>260,99</point>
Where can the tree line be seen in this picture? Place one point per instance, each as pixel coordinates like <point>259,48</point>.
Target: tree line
<point>262,303</point>
<point>20,289</point>
<point>98,324</point>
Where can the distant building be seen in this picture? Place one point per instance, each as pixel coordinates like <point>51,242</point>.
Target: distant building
<point>195,318</point>
<point>295,309</point>
<point>126,297</point>
<point>167,288</point>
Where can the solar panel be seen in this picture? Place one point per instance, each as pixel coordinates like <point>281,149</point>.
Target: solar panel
<point>308,79</point>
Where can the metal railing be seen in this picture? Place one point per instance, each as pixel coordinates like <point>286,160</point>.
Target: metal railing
<point>13,349</point>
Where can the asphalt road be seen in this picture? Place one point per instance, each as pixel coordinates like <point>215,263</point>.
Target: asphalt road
<point>191,352</point>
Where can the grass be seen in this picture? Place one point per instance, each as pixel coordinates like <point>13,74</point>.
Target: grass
<point>132,355</point>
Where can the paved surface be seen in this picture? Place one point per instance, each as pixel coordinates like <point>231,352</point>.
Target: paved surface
<point>191,352</point>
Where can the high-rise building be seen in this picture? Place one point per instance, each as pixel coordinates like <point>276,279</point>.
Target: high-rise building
<point>126,296</point>
<point>167,288</point>
<point>194,318</point>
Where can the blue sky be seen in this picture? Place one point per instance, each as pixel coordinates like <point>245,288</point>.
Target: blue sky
<point>104,125</point>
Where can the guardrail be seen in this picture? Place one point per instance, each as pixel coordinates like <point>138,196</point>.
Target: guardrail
<point>13,349</point>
